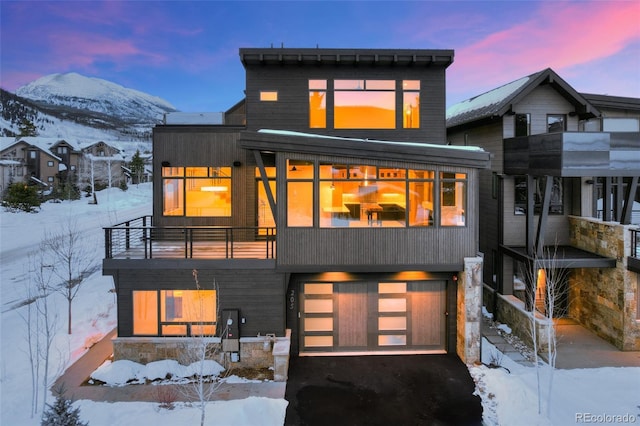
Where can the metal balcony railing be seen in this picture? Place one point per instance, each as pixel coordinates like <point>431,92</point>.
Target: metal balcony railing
<point>139,239</point>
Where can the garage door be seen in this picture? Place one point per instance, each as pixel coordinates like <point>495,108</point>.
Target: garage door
<point>357,317</point>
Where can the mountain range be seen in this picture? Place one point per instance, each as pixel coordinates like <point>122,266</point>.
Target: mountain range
<point>75,106</point>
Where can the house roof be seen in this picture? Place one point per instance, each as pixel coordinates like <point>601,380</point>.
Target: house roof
<point>499,101</point>
<point>316,56</point>
<point>288,141</point>
<point>614,102</point>
<point>40,143</point>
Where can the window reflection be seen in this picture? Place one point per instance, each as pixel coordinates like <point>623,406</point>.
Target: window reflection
<point>364,104</point>
<point>453,198</point>
<point>196,191</point>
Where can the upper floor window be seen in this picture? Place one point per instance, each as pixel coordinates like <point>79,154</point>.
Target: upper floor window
<point>50,163</point>
<point>357,195</point>
<point>196,191</point>
<point>411,104</point>
<point>364,104</point>
<point>317,104</point>
<point>556,123</point>
<point>522,125</point>
<point>63,149</point>
<point>268,95</point>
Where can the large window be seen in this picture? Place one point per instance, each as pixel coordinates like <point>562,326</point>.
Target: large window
<point>363,195</point>
<point>520,194</point>
<point>182,312</point>
<point>196,191</point>
<point>364,104</point>
<point>299,193</point>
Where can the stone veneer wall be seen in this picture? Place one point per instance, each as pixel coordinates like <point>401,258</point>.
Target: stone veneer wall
<point>605,300</point>
<point>255,352</point>
<point>469,311</point>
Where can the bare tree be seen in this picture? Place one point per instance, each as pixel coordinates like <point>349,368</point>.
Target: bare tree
<point>72,262</point>
<point>202,351</point>
<point>546,293</point>
<point>41,323</point>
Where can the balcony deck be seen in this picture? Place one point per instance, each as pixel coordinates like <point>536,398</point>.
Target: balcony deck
<point>136,240</point>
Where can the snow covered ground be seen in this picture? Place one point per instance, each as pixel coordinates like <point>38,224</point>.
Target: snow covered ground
<point>578,396</point>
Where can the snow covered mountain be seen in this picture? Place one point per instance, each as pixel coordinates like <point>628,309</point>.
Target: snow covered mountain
<point>97,95</point>
<point>74,106</point>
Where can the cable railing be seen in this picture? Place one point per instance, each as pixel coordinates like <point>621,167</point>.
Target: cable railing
<point>139,239</point>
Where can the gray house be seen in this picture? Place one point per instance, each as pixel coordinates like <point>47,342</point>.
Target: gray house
<point>561,189</point>
<point>326,213</point>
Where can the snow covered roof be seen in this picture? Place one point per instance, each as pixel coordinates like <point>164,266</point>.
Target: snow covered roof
<point>367,149</point>
<point>500,100</point>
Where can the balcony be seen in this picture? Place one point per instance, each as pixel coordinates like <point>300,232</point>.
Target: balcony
<point>139,239</point>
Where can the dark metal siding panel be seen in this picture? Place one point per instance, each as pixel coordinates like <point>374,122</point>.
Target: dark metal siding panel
<point>258,294</point>
<point>205,146</point>
<point>291,111</point>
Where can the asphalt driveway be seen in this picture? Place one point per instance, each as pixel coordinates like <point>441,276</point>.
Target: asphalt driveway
<point>381,390</point>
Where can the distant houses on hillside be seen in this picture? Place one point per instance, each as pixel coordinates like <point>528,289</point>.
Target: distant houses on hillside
<point>57,165</point>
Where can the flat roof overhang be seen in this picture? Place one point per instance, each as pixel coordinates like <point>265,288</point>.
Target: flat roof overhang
<point>286,141</point>
<point>574,154</point>
<point>316,56</point>
<point>563,257</point>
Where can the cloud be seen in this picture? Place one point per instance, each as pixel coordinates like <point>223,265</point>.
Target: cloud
<point>559,35</point>
<point>71,50</point>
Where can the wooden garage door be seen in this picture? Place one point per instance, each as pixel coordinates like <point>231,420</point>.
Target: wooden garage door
<point>373,317</point>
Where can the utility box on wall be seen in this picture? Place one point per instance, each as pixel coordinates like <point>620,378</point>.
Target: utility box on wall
<point>231,331</point>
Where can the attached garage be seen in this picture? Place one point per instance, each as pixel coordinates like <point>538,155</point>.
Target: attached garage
<point>356,317</point>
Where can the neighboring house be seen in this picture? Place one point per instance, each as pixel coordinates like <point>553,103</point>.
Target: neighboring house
<point>38,164</point>
<point>327,209</point>
<point>105,162</point>
<point>10,171</point>
<point>49,162</point>
<point>555,154</point>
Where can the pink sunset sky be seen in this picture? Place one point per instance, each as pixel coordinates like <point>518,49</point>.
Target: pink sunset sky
<point>187,52</point>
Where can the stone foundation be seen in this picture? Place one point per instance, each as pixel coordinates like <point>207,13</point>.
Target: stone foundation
<point>255,352</point>
<point>511,311</point>
<point>605,300</point>
<point>469,311</point>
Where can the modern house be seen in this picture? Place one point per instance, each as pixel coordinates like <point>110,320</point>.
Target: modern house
<point>562,190</point>
<point>324,212</point>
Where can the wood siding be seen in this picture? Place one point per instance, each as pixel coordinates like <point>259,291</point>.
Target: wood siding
<point>291,110</point>
<point>258,294</point>
<point>205,146</point>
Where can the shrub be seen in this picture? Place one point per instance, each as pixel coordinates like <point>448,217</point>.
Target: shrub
<point>20,196</point>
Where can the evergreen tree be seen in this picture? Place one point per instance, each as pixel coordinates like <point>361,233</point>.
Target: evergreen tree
<point>62,413</point>
<point>20,196</point>
<point>137,166</point>
<point>27,128</point>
